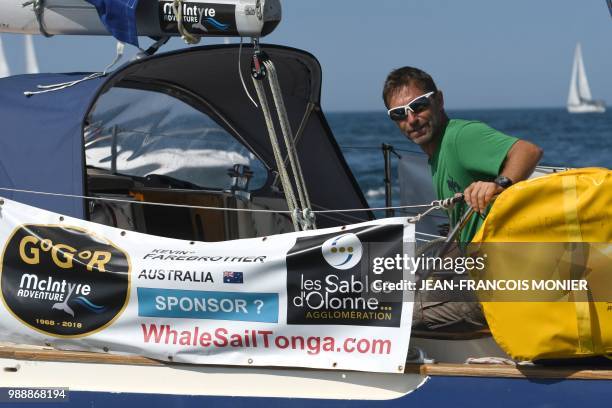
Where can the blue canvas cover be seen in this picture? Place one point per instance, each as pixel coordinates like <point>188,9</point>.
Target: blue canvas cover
<point>41,144</point>
<point>119,18</point>
<point>41,141</point>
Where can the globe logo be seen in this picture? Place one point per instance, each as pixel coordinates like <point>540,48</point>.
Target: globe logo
<point>342,252</point>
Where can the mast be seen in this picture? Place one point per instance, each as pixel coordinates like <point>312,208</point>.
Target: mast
<point>30,56</point>
<point>4,69</point>
<point>573,98</point>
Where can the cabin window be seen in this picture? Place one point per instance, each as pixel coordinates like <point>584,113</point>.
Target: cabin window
<point>141,133</point>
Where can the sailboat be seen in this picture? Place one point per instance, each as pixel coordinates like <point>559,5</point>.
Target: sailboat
<point>579,99</point>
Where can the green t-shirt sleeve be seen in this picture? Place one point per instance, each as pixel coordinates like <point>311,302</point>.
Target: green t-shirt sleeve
<point>482,149</point>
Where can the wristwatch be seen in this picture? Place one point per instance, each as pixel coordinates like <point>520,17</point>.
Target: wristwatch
<point>503,181</point>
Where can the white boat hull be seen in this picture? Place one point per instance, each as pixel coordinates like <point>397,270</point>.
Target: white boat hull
<point>586,108</point>
<point>87,380</point>
<point>90,372</point>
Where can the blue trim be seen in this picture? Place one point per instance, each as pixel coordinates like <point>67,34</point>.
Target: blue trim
<point>199,304</point>
<point>217,24</point>
<point>455,392</point>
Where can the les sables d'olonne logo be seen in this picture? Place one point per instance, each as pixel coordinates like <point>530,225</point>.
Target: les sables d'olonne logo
<point>342,252</point>
<point>63,281</point>
<point>328,278</point>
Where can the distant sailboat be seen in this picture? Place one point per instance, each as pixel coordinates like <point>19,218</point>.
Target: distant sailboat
<point>30,56</point>
<point>579,99</point>
<point>4,69</point>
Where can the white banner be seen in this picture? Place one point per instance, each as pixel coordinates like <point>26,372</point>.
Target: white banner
<point>304,299</point>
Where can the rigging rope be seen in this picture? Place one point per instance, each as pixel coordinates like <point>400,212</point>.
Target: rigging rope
<point>57,87</point>
<point>262,68</point>
<point>38,6</point>
<point>296,168</point>
<point>177,9</point>
<point>436,204</point>
<point>242,77</point>
<point>284,177</point>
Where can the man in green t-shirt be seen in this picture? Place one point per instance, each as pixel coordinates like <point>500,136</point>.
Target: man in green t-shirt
<point>466,157</point>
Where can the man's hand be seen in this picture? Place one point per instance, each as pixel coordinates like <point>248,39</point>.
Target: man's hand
<point>520,162</point>
<point>480,193</point>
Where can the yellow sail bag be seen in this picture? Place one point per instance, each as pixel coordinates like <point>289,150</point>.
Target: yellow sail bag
<point>547,247</point>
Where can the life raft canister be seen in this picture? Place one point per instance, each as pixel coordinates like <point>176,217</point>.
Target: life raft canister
<point>556,228</point>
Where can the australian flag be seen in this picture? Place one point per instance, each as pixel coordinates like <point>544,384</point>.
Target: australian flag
<point>232,277</point>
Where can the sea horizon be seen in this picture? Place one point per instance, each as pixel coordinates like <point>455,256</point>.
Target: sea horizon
<point>510,108</point>
<point>568,140</point>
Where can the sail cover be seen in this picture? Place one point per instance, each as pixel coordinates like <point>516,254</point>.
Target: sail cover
<point>119,18</point>
<point>41,147</point>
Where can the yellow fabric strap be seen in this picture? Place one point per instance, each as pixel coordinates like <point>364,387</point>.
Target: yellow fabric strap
<point>581,303</point>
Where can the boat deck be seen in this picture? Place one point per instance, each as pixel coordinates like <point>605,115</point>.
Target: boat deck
<point>26,353</point>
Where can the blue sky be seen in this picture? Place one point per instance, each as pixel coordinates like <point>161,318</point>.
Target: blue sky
<point>482,53</point>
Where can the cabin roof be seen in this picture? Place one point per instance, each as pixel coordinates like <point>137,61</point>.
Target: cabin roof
<point>42,143</point>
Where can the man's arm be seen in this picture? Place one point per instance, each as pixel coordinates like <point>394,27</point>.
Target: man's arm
<point>520,162</point>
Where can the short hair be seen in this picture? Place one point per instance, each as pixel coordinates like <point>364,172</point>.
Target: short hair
<point>405,76</point>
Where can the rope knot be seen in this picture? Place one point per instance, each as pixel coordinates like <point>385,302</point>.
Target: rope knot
<point>177,8</point>
<point>38,6</point>
<point>448,203</point>
<point>308,219</point>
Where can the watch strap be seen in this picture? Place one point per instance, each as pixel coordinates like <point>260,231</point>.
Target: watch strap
<point>503,181</point>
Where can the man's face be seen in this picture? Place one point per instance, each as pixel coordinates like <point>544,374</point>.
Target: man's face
<point>422,128</point>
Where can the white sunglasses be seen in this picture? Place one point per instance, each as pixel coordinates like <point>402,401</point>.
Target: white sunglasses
<point>417,105</point>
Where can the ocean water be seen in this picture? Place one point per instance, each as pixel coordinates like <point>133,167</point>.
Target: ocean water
<point>578,140</point>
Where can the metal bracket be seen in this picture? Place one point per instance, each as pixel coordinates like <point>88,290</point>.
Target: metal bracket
<point>258,69</point>
<point>38,6</point>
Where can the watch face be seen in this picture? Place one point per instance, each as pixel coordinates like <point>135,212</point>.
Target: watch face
<point>503,181</point>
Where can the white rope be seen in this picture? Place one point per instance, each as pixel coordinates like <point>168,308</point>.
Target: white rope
<point>296,169</point>
<point>282,171</point>
<point>177,8</point>
<point>57,87</point>
<point>428,235</point>
<point>418,217</point>
<point>400,207</point>
<point>345,218</point>
<point>38,6</point>
<point>119,200</point>
<point>448,203</point>
<point>445,204</point>
<point>300,207</point>
<point>241,77</point>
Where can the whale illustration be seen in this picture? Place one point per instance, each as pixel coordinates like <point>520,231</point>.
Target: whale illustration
<point>64,305</point>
